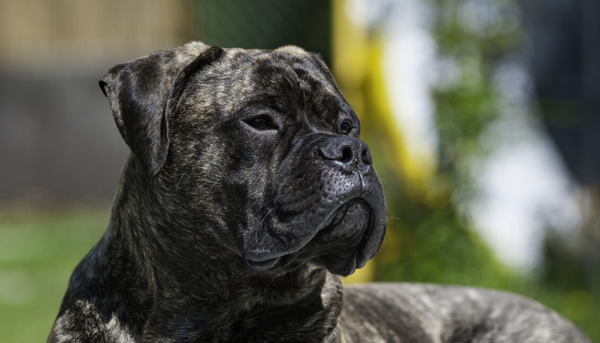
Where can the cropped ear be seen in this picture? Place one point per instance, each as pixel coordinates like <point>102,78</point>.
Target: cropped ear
<point>143,96</point>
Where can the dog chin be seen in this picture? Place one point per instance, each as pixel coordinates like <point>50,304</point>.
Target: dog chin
<point>341,263</point>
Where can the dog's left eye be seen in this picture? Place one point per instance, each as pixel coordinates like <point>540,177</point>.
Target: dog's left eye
<point>345,128</point>
<point>261,123</point>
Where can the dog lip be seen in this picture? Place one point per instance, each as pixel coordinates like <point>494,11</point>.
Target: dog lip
<point>365,248</point>
<point>362,258</point>
<point>336,216</point>
<point>262,265</point>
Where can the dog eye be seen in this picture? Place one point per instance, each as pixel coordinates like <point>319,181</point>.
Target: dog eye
<point>345,128</point>
<point>261,123</point>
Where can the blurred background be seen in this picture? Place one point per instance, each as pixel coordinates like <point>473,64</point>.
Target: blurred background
<point>483,117</point>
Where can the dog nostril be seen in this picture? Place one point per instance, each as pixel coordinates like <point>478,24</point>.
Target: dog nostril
<point>366,157</point>
<point>346,154</point>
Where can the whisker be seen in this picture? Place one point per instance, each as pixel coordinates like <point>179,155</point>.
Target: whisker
<point>265,217</point>
<point>177,188</point>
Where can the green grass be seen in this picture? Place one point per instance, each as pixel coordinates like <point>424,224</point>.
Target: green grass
<point>38,252</point>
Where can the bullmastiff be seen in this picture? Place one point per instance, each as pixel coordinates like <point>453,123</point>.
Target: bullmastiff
<point>247,194</point>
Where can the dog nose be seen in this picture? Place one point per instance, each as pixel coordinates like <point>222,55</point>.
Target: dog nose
<point>347,151</point>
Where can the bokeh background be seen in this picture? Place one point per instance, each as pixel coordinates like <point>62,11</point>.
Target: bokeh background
<point>483,117</point>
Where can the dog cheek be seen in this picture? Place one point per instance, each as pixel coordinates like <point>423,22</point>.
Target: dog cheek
<point>235,214</point>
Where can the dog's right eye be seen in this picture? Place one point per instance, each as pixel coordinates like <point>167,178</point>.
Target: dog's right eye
<point>261,123</point>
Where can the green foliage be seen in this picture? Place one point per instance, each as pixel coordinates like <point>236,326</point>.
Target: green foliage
<point>428,240</point>
<point>434,245</point>
<point>471,37</point>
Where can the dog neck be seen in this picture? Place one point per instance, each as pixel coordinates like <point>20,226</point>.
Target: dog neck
<point>190,293</point>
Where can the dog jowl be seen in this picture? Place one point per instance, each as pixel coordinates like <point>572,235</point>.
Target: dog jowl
<point>247,190</point>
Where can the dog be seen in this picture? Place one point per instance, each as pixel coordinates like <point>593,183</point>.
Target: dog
<point>247,194</point>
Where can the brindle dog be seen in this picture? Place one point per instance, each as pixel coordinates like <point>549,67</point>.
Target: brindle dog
<point>247,194</point>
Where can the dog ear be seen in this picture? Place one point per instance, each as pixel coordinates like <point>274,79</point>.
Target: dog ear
<point>143,96</point>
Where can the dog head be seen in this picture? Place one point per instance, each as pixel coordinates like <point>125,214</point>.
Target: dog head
<point>255,148</point>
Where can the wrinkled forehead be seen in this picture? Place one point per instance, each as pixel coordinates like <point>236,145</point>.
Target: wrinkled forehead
<point>283,78</point>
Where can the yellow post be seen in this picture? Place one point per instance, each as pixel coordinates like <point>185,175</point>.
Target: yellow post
<point>349,66</point>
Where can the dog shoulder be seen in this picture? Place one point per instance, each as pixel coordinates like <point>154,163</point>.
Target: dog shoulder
<point>430,313</point>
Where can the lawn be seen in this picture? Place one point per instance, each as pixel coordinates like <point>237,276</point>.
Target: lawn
<point>37,255</point>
